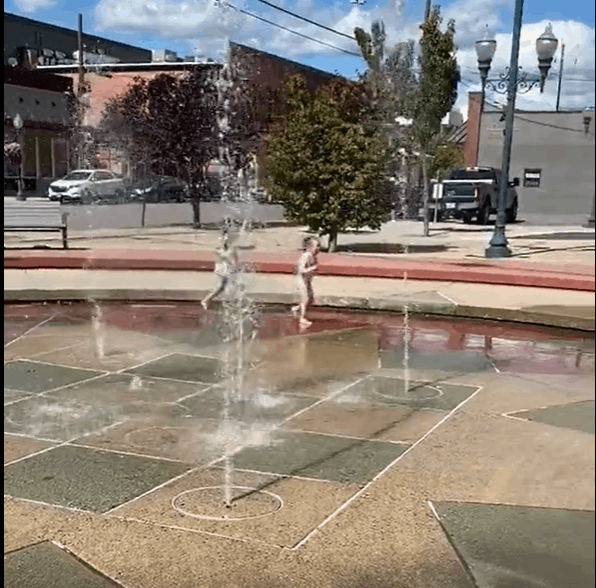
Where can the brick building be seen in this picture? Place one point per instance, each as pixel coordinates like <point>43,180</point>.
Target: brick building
<point>265,74</point>
<point>552,155</point>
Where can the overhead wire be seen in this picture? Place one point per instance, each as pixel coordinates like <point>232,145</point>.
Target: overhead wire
<point>223,2</point>
<point>306,20</point>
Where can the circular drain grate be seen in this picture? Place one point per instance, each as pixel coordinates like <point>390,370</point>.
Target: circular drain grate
<point>208,503</point>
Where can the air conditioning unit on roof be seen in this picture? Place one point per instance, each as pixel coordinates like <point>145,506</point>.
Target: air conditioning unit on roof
<point>163,55</point>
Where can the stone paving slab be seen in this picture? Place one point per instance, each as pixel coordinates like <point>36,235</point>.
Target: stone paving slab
<point>85,478</point>
<point>324,457</point>
<point>386,423</point>
<point>130,394</point>
<point>512,546</point>
<point>35,376</point>
<point>391,391</point>
<point>57,420</point>
<point>578,416</point>
<point>46,564</point>
<point>192,441</point>
<point>18,447</point>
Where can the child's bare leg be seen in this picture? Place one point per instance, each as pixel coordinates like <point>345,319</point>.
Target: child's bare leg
<point>213,294</point>
<point>306,295</point>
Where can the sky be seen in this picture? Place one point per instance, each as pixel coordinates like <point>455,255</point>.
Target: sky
<point>203,27</point>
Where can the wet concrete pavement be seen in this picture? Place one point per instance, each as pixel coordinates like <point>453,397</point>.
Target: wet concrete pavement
<point>341,468</point>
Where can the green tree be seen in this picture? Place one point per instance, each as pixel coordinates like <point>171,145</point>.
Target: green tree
<point>436,95</point>
<point>326,166</point>
<point>424,96</point>
<point>169,124</point>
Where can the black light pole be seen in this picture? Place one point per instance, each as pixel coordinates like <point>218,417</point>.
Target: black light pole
<point>485,50</point>
<point>498,244</point>
<point>546,45</point>
<point>18,125</point>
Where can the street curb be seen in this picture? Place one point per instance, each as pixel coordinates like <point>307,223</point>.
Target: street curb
<point>526,316</point>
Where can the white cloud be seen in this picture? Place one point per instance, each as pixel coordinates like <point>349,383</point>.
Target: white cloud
<point>30,6</point>
<point>201,22</point>
<point>204,27</point>
<point>578,64</point>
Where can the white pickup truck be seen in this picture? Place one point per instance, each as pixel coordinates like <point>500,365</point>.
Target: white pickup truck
<point>470,193</point>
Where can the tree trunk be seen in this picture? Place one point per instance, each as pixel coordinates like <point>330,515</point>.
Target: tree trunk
<point>196,211</point>
<point>425,213</point>
<point>332,241</point>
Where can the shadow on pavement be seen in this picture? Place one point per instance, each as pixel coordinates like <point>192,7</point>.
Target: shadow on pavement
<point>390,248</point>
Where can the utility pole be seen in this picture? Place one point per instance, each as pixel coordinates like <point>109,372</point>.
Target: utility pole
<point>80,92</point>
<point>560,76</point>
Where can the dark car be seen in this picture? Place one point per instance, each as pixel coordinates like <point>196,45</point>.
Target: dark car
<point>159,189</point>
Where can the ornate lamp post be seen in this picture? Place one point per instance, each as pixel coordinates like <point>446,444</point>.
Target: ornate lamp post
<point>510,81</point>
<point>17,122</point>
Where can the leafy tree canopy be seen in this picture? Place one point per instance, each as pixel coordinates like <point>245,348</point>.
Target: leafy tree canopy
<point>326,166</point>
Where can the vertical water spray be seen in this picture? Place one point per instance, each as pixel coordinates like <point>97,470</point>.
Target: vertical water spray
<point>238,310</point>
<point>98,330</point>
<point>406,342</point>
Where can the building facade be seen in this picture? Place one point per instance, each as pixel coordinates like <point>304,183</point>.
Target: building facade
<point>264,73</point>
<point>552,154</point>
<point>44,104</point>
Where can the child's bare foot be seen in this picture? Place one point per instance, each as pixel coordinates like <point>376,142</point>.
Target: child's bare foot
<point>295,310</point>
<point>204,304</point>
<point>304,323</point>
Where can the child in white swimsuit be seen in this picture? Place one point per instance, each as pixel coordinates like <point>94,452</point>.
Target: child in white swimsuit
<point>307,265</point>
<point>225,267</point>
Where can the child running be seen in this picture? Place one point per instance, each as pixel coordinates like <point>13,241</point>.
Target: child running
<point>307,265</point>
<point>224,269</point>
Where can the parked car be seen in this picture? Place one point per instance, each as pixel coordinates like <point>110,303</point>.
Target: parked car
<point>86,186</point>
<point>158,189</point>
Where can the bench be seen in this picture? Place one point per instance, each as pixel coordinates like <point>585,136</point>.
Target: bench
<point>35,216</point>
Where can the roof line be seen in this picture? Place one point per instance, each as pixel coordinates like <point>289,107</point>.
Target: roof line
<point>73,31</point>
<point>294,63</point>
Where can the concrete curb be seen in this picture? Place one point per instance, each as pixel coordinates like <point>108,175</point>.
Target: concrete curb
<point>503,272</point>
<point>527,316</point>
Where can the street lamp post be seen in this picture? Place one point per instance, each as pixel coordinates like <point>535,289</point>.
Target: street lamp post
<point>546,45</point>
<point>17,122</point>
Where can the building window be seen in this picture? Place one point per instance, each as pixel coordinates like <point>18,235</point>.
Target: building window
<point>532,178</point>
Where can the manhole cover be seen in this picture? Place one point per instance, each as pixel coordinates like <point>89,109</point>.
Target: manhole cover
<point>208,503</point>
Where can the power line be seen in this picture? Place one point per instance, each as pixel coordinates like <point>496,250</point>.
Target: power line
<point>306,20</point>
<point>289,30</point>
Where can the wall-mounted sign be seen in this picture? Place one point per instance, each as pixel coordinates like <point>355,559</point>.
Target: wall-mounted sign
<point>532,178</point>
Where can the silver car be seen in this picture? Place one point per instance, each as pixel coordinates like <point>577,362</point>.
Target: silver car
<point>85,186</point>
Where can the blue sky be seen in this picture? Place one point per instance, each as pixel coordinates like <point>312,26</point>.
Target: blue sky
<point>202,27</point>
